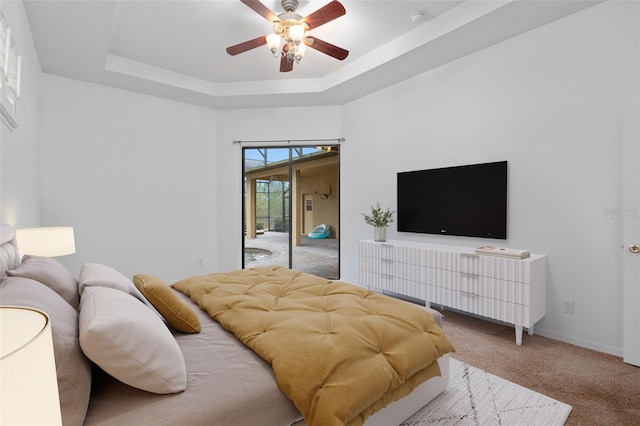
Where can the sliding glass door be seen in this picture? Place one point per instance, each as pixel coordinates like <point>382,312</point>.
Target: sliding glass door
<point>291,208</point>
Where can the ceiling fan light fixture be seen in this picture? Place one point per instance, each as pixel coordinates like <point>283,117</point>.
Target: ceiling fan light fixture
<point>301,48</point>
<point>296,32</point>
<point>274,41</point>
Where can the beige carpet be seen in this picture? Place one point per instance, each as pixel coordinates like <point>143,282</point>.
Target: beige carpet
<point>601,388</point>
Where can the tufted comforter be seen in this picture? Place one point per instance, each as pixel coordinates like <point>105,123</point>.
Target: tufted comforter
<point>338,351</point>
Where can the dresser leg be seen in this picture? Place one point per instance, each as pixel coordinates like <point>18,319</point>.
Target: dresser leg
<point>531,331</point>
<point>518,335</point>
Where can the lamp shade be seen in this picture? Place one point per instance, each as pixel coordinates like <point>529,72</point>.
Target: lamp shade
<point>300,50</point>
<point>273,41</point>
<point>48,242</point>
<point>296,32</point>
<point>28,383</point>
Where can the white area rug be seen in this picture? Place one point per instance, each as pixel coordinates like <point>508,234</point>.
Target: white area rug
<point>475,397</point>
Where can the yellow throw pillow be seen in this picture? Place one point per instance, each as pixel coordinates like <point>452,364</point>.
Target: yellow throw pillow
<point>177,313</point>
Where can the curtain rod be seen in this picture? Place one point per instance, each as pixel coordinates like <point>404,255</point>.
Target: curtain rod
<point>290,141</point>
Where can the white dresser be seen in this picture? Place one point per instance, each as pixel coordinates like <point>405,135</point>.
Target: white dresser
<point>508,290</point>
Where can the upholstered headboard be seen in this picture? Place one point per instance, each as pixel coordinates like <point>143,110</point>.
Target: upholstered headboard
<point>9,256</point>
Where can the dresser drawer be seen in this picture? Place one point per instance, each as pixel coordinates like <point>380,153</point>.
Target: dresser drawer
<point>508,312</point>
<point>493,288</point>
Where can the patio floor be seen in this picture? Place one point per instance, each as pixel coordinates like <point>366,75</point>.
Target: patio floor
<point>315,256</point>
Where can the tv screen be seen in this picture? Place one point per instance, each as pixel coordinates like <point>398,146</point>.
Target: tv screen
<point>466,201</point>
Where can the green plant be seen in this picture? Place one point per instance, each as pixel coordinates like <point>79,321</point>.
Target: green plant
<point>280,224</point>
<point>379,217</point>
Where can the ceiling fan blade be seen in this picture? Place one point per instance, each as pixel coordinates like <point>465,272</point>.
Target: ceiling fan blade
<point>261,9</point>
<point>247,45</point>
<point>285,65</point>
<point>327,48</point>
<point>326,13</point>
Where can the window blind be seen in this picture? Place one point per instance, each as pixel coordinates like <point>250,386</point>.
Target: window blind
<point>10,64</point>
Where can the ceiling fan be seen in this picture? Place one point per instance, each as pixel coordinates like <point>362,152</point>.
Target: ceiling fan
<point>289,38</point>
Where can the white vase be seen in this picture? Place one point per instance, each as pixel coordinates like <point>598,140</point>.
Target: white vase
<point>380,233</point>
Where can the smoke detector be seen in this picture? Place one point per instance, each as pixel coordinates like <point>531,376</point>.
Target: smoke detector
<point>417,16</point>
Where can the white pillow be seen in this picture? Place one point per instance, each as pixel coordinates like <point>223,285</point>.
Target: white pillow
<point>130,342</point>
<point>97,275</point>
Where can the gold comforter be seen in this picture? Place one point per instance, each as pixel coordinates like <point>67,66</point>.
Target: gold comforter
<point>338,351</point>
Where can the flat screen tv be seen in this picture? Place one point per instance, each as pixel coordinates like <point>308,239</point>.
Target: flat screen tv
<point>468,201</point>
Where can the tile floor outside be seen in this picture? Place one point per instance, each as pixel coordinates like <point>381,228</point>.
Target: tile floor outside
<point>315,256</point>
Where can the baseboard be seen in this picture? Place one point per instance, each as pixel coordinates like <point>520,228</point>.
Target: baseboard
<point>561,337</point>
<point>572,340</point>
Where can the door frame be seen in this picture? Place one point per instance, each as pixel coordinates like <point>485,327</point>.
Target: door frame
<point>296,196</point>
<point>630,217</point>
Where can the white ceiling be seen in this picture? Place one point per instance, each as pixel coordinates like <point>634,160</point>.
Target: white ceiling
<point>176,49</point>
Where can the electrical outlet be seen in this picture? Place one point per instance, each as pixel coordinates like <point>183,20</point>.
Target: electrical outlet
<point>567,307</point>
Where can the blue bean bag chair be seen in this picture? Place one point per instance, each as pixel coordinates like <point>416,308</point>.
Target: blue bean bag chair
<point>320,231</point>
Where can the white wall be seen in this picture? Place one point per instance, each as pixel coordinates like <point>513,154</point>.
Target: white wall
<point>134,174</point>
<point>550,102</point>
<point>20,148</point>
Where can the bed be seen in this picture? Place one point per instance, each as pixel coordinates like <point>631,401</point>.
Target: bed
<point>138,351</point>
